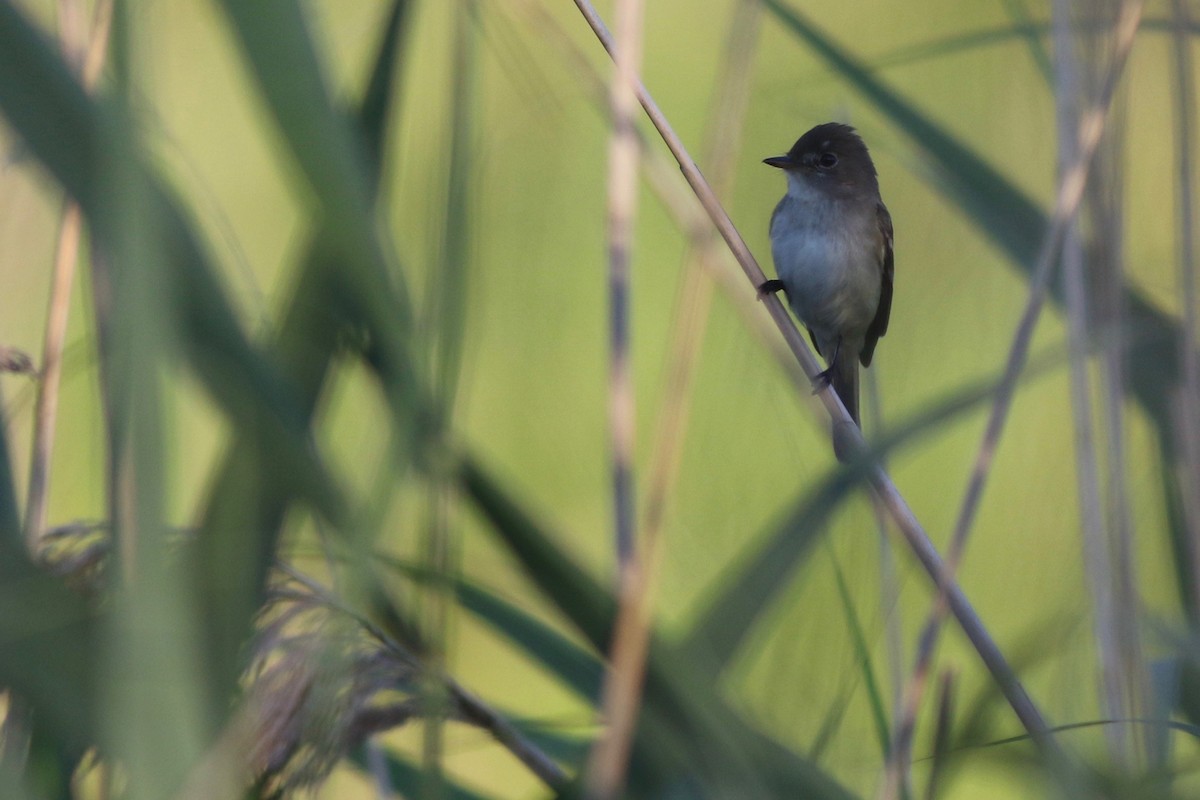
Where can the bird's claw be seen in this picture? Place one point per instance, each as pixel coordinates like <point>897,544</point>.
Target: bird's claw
<point>769,287</point>
<point>822,380</point>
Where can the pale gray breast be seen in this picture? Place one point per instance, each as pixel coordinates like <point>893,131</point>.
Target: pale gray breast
<point>828,256</point>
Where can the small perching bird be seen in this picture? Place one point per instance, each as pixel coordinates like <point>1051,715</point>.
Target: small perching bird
<point>831,238</point>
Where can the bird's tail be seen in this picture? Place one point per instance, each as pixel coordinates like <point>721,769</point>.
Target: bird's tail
<point>844,377</point>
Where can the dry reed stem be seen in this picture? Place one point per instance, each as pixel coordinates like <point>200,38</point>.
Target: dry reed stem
<point>634,622</point>
<point>86,55</point>
<point>622,212</point>
<point>54,341</point>
<point>621,691</point>
<point>1069,196</point>
<point>620,696</point>
<point>915,536</point>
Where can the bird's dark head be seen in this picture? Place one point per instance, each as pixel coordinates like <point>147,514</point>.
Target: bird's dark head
<point>830,154</point>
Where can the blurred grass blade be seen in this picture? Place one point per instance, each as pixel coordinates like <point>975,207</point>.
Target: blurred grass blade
<point>358,281</point>
<point>447,293</point>
<point>1031,31</point>
<point>42,102</point>
<point>450,284</point>
<point>753,580</point>
<point>274,39</point>
<point>943,734</point>
<point>752,583</point>
<point>50,762</point>
<point>574,592</point>
<point>862,654</point>
<point>304,348</point>
<point>1037,50</point>
<point>74,137</point>
<point>379,97</point>
<point>577,667</point>
<point>161,701</point>
<point>13,787</point>
<point>684,730</point>
<point>548,738</point>
<point>276,43</point>
<point>47,648</point>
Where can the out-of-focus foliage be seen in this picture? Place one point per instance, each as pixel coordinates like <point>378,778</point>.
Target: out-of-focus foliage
<point>330,482</point>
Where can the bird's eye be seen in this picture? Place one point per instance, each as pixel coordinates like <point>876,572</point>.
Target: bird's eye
<point>827,160</point>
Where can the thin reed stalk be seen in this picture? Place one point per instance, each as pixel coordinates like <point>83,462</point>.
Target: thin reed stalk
<point>639,589</point>
<point>619,699</point>
<point>622,211</point>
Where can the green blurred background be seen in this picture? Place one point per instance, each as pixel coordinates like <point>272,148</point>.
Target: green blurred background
<point>531,391</point>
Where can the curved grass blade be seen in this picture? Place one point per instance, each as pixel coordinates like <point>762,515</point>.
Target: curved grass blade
<point>863,654</point>
<point>578,668</point>
<point>274,39</point>
<point>380,96</point>
<point>577,594</point>
<point>755,579</point>
<point>551,741</point>
<point>1031,31</point>
<point>685,733</point>
<point>1037,49</point>
<point>752,584</point>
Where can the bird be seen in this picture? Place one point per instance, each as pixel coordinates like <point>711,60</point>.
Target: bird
<point>831,240</point>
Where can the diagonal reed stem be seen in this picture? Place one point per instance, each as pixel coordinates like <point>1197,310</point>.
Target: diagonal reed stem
<point>915,536</point>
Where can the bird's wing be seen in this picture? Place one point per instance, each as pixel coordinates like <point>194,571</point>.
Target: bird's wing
<point>883,313</point>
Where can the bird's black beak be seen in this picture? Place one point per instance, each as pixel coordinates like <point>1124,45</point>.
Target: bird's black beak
<point>780,162</point>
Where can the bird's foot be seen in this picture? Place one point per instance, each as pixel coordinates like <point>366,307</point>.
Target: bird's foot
<point>769,287</point>
<point>822,380</point>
